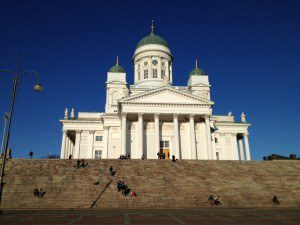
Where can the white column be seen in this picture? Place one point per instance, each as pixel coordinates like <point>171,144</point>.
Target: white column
<point>72,150</point>
<point>241,149</point>
<point>63,145</point>
<point>124,133</point>
<point>192,137</point>
<point>247,150</point>
<point>105,142</point>
<point>77,144</point>
<point>140,136</point>
<point>157,135</point>
<point>176,136</point>
<point>208,138</point>
<point>91,142</point>
<point>213,146</point>
<point>235,147</point>
<point>68,147</point>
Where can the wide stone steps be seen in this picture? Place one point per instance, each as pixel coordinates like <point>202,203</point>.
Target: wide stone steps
<point>158,183</point>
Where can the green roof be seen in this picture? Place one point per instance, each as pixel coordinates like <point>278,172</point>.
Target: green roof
<point>197,71</point>
<point>152,39</point>
<point>117,69</point>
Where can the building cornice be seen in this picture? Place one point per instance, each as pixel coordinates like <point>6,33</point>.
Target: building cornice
<point>232,124</point>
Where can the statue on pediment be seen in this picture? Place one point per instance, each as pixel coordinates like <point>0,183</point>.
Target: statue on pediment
<point>72,114</point>
<point>66,113</point>
<point>243,117</point>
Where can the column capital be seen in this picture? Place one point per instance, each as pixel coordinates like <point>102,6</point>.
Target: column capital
<point>206,116</point>
<point>175,115</point>
<point>105,127</point>
<point>123,114</point>
<point>91,131</point>
<point>78,131</point>
<point>156,115</point>
<point>64,131</point>
<point>245,134</point>
<point>140,115</point>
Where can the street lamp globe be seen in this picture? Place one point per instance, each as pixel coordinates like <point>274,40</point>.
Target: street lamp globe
<point>38,87</point>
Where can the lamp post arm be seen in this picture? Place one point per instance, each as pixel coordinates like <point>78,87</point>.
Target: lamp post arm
<point>37,76</point>
<point>7,71</point>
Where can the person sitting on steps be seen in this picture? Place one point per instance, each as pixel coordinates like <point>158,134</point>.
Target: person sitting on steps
<point>83,164</point>
<point>275,200</point>
<point>173,158</point>
<point>38,193</point>
<point>70,156</point>
<point>217,201</point>
<point>119,185</point>
<point>77,164</point>
<point>111,171</point>
<point>133,194</point>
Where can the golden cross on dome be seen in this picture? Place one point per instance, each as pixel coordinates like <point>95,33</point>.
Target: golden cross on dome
<point>196,64</point>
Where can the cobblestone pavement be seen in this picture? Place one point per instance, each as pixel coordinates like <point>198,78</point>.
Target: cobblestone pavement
<point>197,216</point>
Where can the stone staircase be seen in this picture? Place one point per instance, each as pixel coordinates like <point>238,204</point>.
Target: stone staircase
<point>158,183</point>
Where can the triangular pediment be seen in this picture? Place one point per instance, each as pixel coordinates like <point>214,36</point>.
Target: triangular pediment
<point>166,95</point>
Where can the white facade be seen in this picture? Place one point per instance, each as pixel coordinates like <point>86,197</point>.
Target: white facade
<point>153,116</point>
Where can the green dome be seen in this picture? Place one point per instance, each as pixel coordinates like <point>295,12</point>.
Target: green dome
<point>152,39</point>
<point>116,69</point>
<point>197,71</point>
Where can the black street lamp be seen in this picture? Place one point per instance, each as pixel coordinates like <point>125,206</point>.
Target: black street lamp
<point>37,87</point>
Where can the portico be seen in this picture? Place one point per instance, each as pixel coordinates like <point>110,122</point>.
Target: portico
<point>154,123</point>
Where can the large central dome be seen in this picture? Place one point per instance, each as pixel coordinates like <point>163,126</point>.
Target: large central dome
<point>152,39</point>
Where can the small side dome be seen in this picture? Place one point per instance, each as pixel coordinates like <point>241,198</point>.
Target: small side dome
<point>152,39</point>
<point>117,68</point>
<point>197,71</point>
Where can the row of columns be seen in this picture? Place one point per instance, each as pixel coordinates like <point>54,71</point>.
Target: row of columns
<point>176,151</point>
<point>67,145</point>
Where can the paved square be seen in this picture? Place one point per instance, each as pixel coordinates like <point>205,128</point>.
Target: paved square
<point>207,216</point>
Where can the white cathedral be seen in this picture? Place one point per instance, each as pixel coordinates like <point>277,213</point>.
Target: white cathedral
<point>152,116</point>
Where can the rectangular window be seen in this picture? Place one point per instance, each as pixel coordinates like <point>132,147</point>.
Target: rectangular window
<point>98,154</point>
<point>98,138</point>
<point>145,74</point>
<point>167,144</point>
<point>145,63</point>
<point>163,73</point>
<point>216,140</point>
<point>154,71</point>
<point>163,63</point>
<point>164,144</point>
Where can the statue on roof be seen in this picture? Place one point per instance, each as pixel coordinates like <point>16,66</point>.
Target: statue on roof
<point>66,114</point>
<point>243,117</point>
<point>72,114</point>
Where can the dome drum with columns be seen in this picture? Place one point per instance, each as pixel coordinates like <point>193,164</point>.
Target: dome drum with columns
<point>152,116</point>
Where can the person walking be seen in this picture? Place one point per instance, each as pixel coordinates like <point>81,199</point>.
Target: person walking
<point>30,154</point>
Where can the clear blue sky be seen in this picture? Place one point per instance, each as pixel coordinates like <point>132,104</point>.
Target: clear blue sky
<point>250,49</point>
